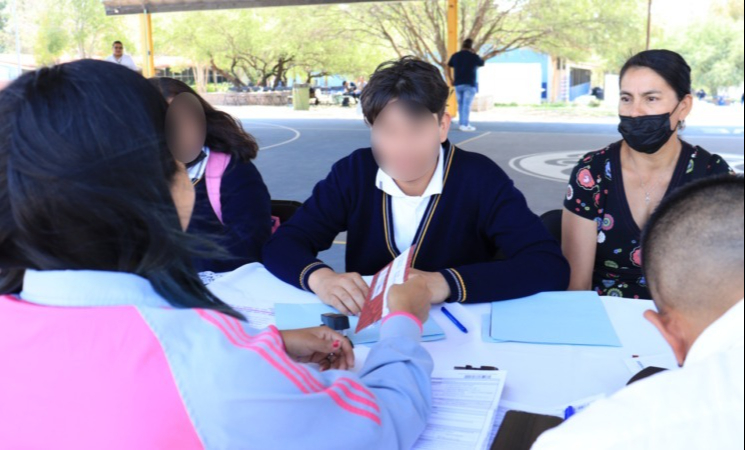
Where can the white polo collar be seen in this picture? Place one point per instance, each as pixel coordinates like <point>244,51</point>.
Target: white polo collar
<point>387,184</point>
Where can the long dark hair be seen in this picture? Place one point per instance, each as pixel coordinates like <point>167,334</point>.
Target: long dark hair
<point>224,133</point>
<point>85,182</point>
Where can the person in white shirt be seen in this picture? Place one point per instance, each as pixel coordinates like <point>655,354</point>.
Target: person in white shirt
<point>693,260</point>
<point>118,57</point>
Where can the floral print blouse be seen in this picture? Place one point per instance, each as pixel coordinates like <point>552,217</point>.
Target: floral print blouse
<point>596,192</point>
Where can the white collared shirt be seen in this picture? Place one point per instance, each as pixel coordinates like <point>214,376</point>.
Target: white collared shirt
<point>408,211</point>
<point>125,61</point>
<point>197,171</point>
<point>88,288</point>
<point>697,407</point>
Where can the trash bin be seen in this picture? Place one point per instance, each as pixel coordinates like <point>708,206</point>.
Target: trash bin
<point>301,97</point>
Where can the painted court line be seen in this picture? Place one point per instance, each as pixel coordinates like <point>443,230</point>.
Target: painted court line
<point>474,138</point>
<point>288,141</point>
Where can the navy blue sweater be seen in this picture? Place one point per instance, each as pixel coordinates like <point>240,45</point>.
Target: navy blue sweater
<point>480,214</point>
<point>246,211</point>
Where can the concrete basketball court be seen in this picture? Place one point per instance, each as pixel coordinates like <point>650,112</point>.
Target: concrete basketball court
<point>297,153</point>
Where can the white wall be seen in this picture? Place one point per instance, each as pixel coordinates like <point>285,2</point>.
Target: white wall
<point>612,89</point>
<point>512,82</point>
<point>8,72</point>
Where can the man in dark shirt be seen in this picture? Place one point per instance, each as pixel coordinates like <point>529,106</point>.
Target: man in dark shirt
<point>465,63</point>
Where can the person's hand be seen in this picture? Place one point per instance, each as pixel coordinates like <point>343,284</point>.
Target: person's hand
<point>346,292</point>
<point>320,345</point>
<point>413,297</point>
<point>437,285</point>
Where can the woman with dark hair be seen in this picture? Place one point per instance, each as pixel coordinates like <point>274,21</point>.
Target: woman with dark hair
<point>233,203</point>
<point>613,192</point>
<point>114,343</point>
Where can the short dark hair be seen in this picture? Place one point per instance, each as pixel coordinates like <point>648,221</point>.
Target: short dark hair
<point>117,42</point>
<point>692,247</point>
<point>224,133</point>
<point>85,182</point>
<point>468,44</point>
<point>667,64</point>
<point>416,83</point>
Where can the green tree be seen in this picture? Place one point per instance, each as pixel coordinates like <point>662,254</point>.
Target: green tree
<point>214,39</point>
<point>713,45</point>
<point>51,29</point>
<point>86,20</point>
<point>3,23</point>
<point>267,46</point>
<point>606,32</point>
<point>324,46</point>
<point>734,9</point>
<point>578,29</point>
<point>51,39</point>
<point>714,50</point>
<point>327,57</point>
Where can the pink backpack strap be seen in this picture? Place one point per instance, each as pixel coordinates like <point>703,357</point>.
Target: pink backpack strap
<point>216,165</point>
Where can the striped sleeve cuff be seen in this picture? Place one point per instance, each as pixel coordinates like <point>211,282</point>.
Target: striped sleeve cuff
<point>308,271</point>
<point>405,314</point>
<point>458,291</point>
<point>401,325</point>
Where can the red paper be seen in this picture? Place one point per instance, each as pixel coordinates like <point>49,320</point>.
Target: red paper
<point>392,274</point>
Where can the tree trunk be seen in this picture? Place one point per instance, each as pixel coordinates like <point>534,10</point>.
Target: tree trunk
<point>228,76</point>
<point>310,76</point>
<point>280,72</point>
<point>200,77</point>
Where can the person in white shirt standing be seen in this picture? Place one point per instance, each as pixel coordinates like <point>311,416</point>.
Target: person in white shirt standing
<point>693,260</point>
<point>118,57</point>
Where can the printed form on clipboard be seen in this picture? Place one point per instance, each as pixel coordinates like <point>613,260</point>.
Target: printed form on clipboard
<point>465,405</point>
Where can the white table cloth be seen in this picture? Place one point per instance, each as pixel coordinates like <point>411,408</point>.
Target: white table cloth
<point>540,377</point>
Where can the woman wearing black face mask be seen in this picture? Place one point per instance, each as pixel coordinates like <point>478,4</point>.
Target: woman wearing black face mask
<point>613,192</point>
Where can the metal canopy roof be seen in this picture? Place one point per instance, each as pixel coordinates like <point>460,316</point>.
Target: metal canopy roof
<point>121,7</point>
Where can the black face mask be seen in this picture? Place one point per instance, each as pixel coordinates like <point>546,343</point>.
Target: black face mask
<point>646,134</point>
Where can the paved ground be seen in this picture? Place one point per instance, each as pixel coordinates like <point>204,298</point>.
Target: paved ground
<point>297,153</point>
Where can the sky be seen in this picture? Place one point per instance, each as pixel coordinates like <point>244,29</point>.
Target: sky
<point>676,12</point>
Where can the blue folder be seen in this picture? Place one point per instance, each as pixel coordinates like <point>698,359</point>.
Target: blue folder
<point>567,318</point>
<point>292,316</point>
<point>486,329</point>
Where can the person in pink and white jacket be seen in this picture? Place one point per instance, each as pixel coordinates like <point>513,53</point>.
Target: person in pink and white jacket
<point>107,337</point>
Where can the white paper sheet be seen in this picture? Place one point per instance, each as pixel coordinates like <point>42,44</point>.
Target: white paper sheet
<point>258,318</point>
<point>399,272</point>
<point>465,407</point>
<point>210,277</point>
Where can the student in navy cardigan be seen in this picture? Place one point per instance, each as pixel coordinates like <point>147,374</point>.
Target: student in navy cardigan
<point>238,219</point>
<point>413,187</point>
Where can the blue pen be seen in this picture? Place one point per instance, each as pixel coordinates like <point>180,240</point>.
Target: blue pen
<point>569,412</point>
<point>454,320</point>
